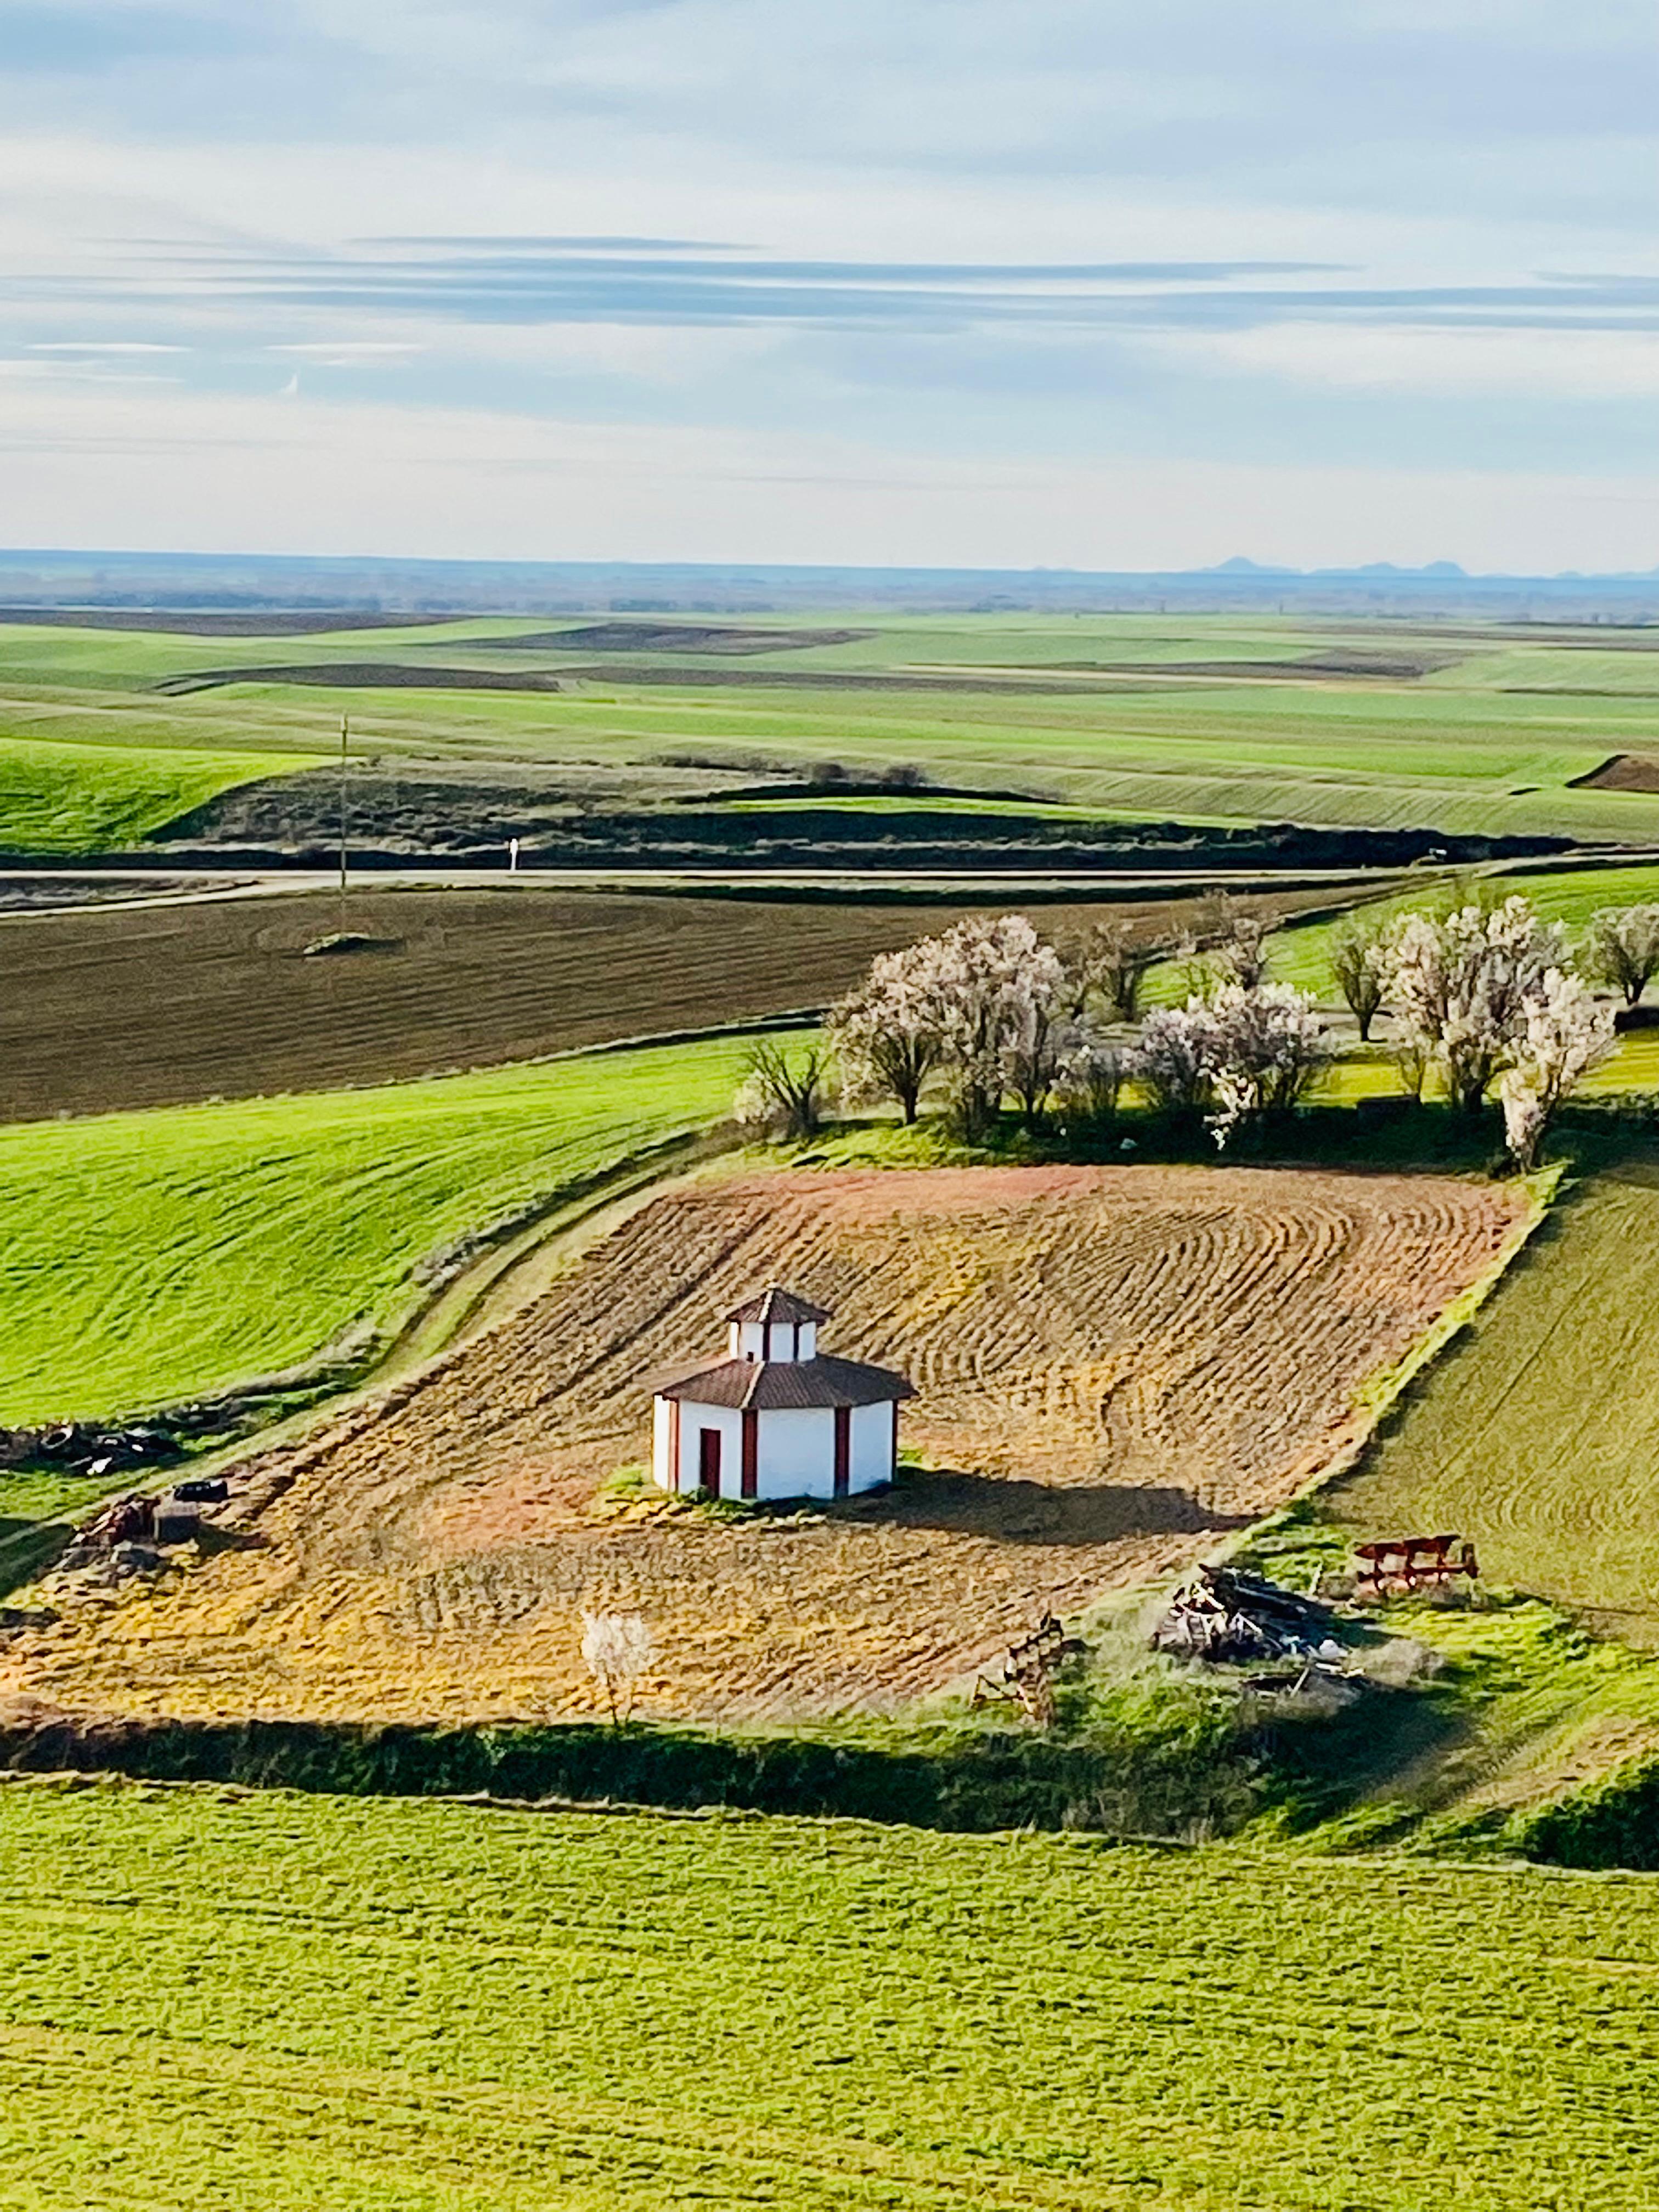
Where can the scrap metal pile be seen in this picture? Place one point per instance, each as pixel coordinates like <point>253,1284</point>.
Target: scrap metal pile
<point>129,1534</point>
<point>1225,1616</point>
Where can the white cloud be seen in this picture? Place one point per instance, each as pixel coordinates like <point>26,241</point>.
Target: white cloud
<point>1560,364</point>
<point>1468,142</point>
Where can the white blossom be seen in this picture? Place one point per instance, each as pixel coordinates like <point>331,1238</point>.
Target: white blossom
<point>1564,1034</point>
<point>1461,986</point>
<point>890,1032</point>
<point>1175,1058</point>
<point>1246,1051</point>
<point>1622,948</point>
<point>618,1649</point>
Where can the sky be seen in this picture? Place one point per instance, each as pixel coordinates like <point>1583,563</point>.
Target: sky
<point>1067,284</point>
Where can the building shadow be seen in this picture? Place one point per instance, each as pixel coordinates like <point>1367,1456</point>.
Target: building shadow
<point>1015,1511</point>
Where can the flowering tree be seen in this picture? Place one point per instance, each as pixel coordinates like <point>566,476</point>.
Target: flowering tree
<point>1622,948</point>
<point>1269,1043</point>
<point>1088,1083</point>
<point>889,1033</point>
<point>1244,1052</point>
<point>987,1002</point>
<point>1564,1034</point>
<point>1461,986</point>
<point>618,1649</point>
<point>1002,995</point>
<point>1358,966</point>
<point>1177,1056</point>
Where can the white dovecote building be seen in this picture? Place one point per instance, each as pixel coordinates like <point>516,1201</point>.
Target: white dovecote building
<point>777,1418</point>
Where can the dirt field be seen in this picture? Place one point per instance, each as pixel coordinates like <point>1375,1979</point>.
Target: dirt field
<point>174,1004</point>
<point>1624,772</point>
<point>1115,1365</point>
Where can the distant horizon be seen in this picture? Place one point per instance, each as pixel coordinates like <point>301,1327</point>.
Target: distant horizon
<point>1239,566</point>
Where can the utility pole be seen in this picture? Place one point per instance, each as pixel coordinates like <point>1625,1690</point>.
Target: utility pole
<point>344,732</point>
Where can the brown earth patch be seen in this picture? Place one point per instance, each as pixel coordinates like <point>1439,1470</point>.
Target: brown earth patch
<point>165,1005</point>
<point>406,675</point>
<point>669,637</point>
<point>1115,1365</point>
<point>1624,772</point>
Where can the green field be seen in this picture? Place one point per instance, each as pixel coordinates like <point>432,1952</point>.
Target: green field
<point>295,2003</point>
<point>149,1256</point>
<point>69,799</point>
<point>1489,742</point>
<point>1538,1432</point>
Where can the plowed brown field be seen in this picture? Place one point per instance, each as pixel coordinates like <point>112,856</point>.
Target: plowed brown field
<point>1115,1364</point>
<point>106,1011</point>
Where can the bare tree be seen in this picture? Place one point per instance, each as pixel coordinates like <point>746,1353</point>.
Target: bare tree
<point>1358,952</point>
<point>1107,961</point>
<point>1239,953</point>
<point>618,1649</point>
<point>1411,1057</point>
<point>1621,948</point>
<point>784,1093</point>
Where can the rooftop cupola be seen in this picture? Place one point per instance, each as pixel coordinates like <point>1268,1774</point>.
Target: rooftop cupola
<point>775,1326</point>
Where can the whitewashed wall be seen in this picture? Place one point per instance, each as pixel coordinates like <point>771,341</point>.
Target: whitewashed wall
<point>662,1435</point>
<point>694,1419</point>
<point>872,1440</point>
<point>798,1453</point>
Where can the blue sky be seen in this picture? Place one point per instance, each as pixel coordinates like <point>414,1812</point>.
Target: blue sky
<point>1066,282</point>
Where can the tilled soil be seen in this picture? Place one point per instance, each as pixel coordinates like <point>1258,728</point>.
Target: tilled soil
<point>178,1003</point>
<point>1624,772</point>
<point>1114,1366</point>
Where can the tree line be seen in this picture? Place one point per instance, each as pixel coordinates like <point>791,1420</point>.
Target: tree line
<point>990,1016</point>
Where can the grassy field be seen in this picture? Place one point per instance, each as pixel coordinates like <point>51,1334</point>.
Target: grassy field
<point>1538,1432</point>
<point>70,798</point>
<point>210,2002</point>
<point>1214,718</point>
<point>150,1256</point>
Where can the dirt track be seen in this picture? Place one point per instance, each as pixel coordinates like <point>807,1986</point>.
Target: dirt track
<point>1114,1366</point>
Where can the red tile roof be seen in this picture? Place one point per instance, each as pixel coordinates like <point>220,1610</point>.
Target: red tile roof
<point>774,1385</point>
<point>775,1305</point>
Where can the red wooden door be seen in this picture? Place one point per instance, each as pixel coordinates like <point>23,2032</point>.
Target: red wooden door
<point>843,1451</point>
<point>708,1461</point>
<point>751,1452</point>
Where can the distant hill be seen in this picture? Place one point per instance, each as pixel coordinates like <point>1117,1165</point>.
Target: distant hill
<point>229,582</point>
